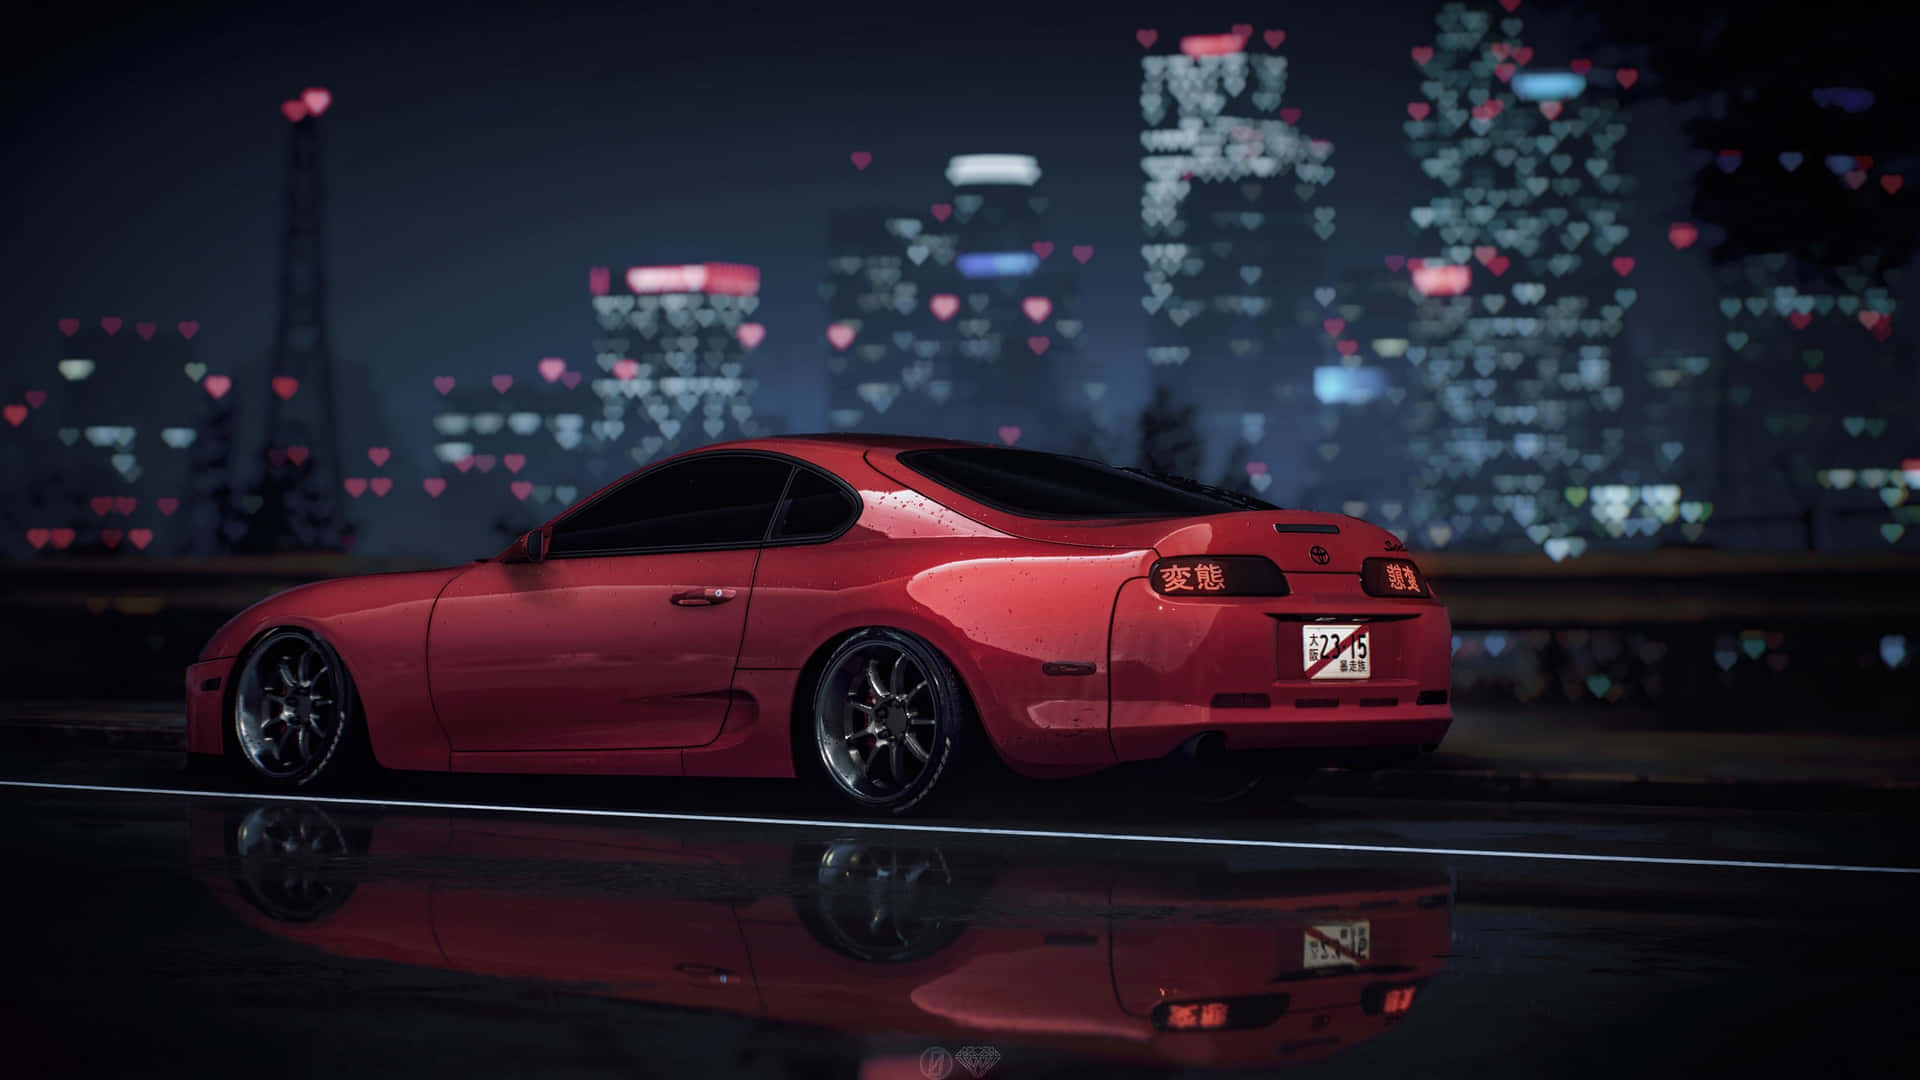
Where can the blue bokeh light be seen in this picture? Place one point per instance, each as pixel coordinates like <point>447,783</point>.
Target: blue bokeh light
<point>998,264</point>
<point>1548,85</point>
<point>1348,385</point>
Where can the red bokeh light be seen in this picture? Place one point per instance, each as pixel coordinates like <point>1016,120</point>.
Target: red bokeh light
<point>1212,44</point>
<point>724,279</point>
<point>1442,280</point>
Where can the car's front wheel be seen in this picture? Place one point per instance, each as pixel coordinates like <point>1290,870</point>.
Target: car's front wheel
<point>285,860</point>
<point>293,710</point>
<point>888,716</point>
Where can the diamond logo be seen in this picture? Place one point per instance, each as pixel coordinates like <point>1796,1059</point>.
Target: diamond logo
<point>977,1059</point>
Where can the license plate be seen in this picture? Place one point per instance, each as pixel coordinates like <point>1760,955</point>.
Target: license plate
<point>1337,652</point>
<point>1343,944</point>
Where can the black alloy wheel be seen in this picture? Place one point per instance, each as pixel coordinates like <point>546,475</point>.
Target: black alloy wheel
<point>888,715</point>
<point>293,710</point>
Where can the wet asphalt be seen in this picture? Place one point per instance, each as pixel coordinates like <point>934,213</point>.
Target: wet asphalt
<point>485,927</point>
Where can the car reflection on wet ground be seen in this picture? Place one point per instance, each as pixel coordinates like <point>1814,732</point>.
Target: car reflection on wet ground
<point>250,936</point>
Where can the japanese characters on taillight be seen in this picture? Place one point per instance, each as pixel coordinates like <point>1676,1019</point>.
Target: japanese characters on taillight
<point>1218,575</point>
<point>1393,577</point>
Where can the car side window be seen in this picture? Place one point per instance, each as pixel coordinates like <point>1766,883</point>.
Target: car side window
<point>722,500</point>
<point>815,506</point>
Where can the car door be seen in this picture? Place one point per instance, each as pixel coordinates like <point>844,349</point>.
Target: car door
<point>626,634</point>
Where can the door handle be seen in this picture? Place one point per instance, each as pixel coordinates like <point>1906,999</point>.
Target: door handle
<point>706,973</point>
<point>703,597</point>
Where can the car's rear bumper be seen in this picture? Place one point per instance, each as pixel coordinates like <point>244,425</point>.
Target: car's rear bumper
<point>1183,667</point>
<point>206,697</point>
<point>1280,728</point>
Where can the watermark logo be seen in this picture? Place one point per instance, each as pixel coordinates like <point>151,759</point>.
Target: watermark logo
<point>936,1062</point>
<point>977,1059</point>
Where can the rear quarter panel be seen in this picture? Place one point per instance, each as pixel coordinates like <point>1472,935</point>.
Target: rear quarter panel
<point>996,607</point>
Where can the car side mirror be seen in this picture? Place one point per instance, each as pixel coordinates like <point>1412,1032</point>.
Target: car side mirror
<point>528,547</point>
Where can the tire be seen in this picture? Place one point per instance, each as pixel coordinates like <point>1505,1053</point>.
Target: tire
<point>878,903</point>
<point>883,698</point>
<point>286,860</point>
<point>293,717</point>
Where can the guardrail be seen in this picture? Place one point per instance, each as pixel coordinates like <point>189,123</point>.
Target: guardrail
<point>1674,587</point>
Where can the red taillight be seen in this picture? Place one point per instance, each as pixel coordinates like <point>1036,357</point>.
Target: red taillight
<point>1392,577</point>
<point>1197,1016</point>
<point>1232,1014</point>
<point>1218,575</point>
<point>1392,1002</point>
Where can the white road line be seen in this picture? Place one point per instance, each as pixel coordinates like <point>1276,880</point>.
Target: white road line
<point>968,830</point>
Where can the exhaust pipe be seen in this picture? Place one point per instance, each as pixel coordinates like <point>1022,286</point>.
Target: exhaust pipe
<point>1204,750</point>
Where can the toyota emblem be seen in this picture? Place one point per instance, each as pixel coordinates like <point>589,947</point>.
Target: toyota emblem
<point>1319,555</point>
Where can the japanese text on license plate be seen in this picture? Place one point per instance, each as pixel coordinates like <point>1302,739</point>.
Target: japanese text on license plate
<point>1337,652</point>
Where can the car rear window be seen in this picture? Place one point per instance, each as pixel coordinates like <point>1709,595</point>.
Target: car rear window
<point>815,507</point>
<point>1033,484</point>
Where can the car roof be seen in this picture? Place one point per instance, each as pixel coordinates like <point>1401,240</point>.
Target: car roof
<point>862,440</point>
<point>838,448</point>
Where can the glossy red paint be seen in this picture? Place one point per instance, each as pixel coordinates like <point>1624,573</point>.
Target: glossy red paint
<point>378,625</point>
<point>1073,978</point>
<point>580,665</point>
<point>974,599</point>
<point>1174,656</point>
<point>638,672</point>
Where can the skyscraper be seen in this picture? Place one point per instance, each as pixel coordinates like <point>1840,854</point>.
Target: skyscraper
<point>959,320</point>
<point>674,348</point>
<point>508,447</point>
<point>110,442</point>
<point>1233,233</point>
<point>873,308</point>
<point>1815,409</point>
<point>1360,399</point>
<point>1524,287</point>
<point>672,371</point>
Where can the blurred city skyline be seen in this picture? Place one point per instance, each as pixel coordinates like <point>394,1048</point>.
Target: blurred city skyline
<point>478,167</point>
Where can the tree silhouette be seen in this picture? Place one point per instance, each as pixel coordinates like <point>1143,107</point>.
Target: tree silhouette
<point>211,515</point>
<point>1811,115</point>
<point>1088,443</point>
<point>1236,477</point>
<point>507,526</point>
<point>1169,438</point>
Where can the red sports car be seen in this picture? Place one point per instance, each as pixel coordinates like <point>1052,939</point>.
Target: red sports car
<point>853,608</point>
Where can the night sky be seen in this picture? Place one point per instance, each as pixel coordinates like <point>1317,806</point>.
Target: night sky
<point>479,160</point>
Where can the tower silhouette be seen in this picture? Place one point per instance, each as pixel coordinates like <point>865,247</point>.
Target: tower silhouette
<point>299,507</point>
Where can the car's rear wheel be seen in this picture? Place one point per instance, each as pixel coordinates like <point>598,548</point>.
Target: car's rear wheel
<point>293,711</point>
<point>888,716</point>
<point>880,903</point>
